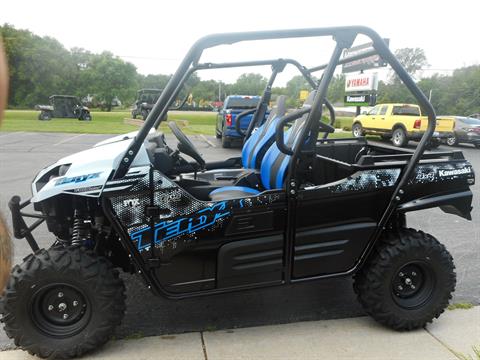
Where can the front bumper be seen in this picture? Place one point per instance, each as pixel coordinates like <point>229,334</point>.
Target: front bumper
<point>20,228</point>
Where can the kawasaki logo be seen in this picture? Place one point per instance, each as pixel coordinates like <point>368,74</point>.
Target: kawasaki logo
<point>455,172</point>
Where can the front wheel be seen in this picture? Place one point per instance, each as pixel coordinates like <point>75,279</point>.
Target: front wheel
<point>62,302</point>
<point>399,137</point>
<point>144,115</point>
<point>407,281</point>
<point>357,130</point>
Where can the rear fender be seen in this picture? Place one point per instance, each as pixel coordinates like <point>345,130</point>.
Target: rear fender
<point>457,203</point>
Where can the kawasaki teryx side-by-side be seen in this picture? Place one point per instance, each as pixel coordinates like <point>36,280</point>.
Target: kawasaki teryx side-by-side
<point>295,207</point>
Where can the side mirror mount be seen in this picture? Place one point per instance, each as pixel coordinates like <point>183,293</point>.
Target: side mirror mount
<point>364,112</point>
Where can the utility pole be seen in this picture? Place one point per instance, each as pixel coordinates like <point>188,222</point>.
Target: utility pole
<point>430,95</point>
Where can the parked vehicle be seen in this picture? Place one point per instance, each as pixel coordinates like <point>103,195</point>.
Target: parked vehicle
<point>63,106</point>
<point>475,116</point>
<point>467,130</point>
<point>309,208</point>
<point>146,98</point>
<point>400,123</point>
<point>226,117</point>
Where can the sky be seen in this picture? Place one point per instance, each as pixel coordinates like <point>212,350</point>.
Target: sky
<point>155,35</point>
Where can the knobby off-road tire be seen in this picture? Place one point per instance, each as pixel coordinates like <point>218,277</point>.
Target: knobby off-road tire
<point>414,262</point>
<point>62,302</point>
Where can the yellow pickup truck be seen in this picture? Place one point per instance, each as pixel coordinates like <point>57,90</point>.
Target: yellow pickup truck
<point>400,123</point>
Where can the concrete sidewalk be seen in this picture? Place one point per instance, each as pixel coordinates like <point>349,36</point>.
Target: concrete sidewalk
<point>453,336</point>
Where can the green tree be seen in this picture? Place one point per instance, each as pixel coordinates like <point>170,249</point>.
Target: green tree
<point>249,84</point>
<point>412,59</point>
<point>157,81</point>
<point>336,90</point>
<point>38,67</point>
<point>294,86</point>
<point>110,77</point>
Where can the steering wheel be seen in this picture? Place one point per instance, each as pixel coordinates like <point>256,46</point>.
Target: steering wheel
<point>185,145</point>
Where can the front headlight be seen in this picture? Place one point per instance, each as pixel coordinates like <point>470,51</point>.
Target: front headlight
<point>53,173</point>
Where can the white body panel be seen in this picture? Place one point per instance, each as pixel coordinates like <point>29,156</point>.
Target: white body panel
<point>89,169</point>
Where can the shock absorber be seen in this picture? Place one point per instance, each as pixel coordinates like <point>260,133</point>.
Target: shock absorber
<point>81,230</point>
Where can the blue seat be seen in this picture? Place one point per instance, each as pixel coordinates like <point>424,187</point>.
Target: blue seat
<point>259,142</point>
<point>274,165</point>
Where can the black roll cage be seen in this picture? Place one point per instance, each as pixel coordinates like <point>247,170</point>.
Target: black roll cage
<point>344,37</point>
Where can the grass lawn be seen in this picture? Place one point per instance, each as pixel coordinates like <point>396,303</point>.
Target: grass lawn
<point>113,123</point>
<point>104,123</point>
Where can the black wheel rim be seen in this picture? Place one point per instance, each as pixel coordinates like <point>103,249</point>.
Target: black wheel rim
<point>413,285</point>
<point>60,310</point>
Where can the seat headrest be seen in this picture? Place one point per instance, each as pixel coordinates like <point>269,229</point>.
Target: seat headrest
<point>281,105</point>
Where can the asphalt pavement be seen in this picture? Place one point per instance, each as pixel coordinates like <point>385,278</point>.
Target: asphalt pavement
<point>23,154</point>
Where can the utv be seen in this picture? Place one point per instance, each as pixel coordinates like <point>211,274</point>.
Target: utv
<point>295,207</point>
<point>63,106</point>
<point>146,98</point>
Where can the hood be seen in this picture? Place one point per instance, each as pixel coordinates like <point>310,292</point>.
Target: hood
<point>123,137</point>
<point>117,138</point>
<point>85,173</point>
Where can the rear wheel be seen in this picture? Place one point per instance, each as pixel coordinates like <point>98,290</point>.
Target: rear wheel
<point>44,116</point>
<point>452,140</point>
<point>407,281</point>
<point>357,130</point>
<point>399,137</point>
<point>477,146</point>
<point>226,142</point>
<point>86,116</point>
<point>62,302</point>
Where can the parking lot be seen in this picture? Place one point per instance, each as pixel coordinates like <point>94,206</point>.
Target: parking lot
<point>22,155</point>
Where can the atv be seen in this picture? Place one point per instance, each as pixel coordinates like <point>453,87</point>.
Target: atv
<point>295,207</point>
<point>63,106</point>
<point>146,98</point>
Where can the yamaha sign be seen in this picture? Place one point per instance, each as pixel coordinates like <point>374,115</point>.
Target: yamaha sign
<point>361,82</point>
